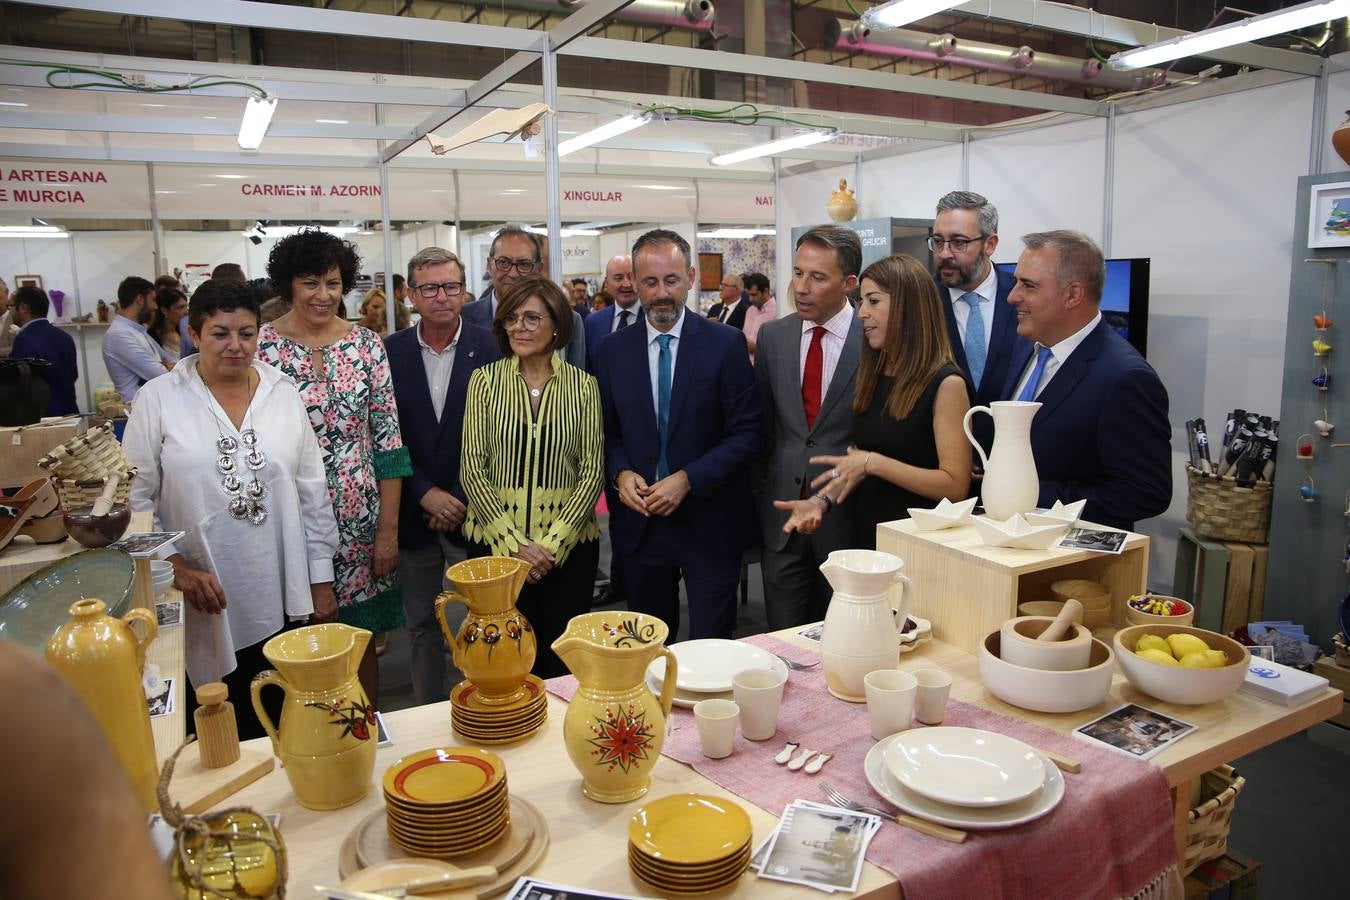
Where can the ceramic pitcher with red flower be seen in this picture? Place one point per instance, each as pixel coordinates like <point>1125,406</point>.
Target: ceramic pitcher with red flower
<point>615,725</point>
<point>326,737</point>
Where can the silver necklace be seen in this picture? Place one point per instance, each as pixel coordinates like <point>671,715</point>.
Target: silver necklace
<point>245,499</point>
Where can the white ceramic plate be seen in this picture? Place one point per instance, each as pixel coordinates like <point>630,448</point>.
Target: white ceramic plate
<point>687,699</point>
<point>922,629</point>
<point>968,817</point>
<point>965,766</point>
<point>707,666</point>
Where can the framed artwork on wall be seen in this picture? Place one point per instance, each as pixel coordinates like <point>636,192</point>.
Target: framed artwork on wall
<point>709,271</point>
<point>1329,215</point>
<point>28,281</point>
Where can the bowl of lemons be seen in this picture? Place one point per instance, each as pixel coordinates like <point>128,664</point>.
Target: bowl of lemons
<point>1181,664</point>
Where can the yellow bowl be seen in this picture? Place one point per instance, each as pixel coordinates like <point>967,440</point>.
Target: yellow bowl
<point>1174,684</point>
<point>1138,617</point>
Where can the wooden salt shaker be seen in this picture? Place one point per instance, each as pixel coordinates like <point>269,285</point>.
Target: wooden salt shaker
<point>217,733</point>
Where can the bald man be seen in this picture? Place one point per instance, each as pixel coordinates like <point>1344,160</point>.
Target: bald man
<point>625,311</point>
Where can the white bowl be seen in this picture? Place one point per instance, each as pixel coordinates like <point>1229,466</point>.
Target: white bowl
<point>1173,684</point>
<point>1017,533</point>
<point>1020,647</point>
<point>945,515</point>
<point>1046,691</point>
<point>1059,514</point>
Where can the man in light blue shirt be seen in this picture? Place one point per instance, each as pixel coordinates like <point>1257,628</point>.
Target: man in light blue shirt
<point>131,356</point>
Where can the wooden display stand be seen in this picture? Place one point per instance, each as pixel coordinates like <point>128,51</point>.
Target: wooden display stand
<point>1339,676</point>
<point>968,589</point>
<point>24,445</point>
<point>1225,581</point>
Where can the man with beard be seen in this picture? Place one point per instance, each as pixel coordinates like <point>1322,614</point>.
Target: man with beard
<point>623,312</point>
<point>681,430</point>
<point>131,356</point>
<point>981,325</point>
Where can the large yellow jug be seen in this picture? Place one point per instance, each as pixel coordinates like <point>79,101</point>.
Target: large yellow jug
<point>495,646</point>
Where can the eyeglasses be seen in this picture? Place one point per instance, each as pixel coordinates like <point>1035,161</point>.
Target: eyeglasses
<point>529,321</point>
<point>958,244</point>
<point>451,288</point>
<point>523,266</point>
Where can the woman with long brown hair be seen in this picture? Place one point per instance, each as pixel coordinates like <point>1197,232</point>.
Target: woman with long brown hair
<point>908,445</point>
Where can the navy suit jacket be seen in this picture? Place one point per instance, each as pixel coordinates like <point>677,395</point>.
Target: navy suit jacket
<point>1102,432</point>
<point>479,312</point>
<point>599,324</point>
<point>42,340</point>
<point>433,445</point>
<point>714,431</point>
<point>1004,344</point>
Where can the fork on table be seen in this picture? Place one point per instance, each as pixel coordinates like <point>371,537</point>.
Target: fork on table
<point>794,665</point>
<point>932,829</point>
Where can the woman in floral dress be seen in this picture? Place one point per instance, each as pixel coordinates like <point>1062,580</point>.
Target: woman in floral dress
<point>344,379</point>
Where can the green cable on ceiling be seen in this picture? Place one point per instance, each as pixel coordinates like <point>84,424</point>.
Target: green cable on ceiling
<point>116,81</point>
<point>740,114</point>
<point>853,9</point>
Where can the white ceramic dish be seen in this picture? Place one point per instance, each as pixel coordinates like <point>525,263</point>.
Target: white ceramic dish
<point>1018,534</point>
<point>922,630</point>
<point>1043,690</point>
<point>707,666</point>
<point>945,515</point>
<point>1059,514</point>
<point>915,645</point>
<point>965,766</point>
<point>968,817</point>
<point>687,699</point>
<point>1019,645</point>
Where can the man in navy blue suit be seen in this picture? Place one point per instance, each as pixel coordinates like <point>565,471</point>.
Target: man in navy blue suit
<point>1102,432</point>
<point>981,325</point>
<point>430,364</point>
<point>681,430</point>
<point>40,339</point>
<point>624,311</point>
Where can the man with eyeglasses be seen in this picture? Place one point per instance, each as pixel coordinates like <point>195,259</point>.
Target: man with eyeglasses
<point>732,302</point>
<point>514,254</point>
<point>431,363</point>
<point>980,324</point>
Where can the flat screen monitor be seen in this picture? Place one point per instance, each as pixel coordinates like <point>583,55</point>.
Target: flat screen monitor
<point>1124,300</point>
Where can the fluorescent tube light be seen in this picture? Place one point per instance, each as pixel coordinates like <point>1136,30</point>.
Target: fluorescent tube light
<point>902,12</point>
<point>737,233</point>
<point>257,116</point>
<point>1253,29</point>
<point>782,145</point>
<point>280,231</point>
<point>604,132</point>
<point>32,231</point>
<point>566,232</point>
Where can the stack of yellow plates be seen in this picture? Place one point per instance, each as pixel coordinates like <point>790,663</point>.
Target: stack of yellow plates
<point>689,843</point>
<point>447,801</point>
<point>502,723</point>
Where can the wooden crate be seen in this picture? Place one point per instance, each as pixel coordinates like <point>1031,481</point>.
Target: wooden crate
<point>1339,676</point>
<point>21,448</point>
<point>1224,580</point>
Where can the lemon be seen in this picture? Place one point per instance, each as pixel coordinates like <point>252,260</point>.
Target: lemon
<point>1183,644</point>
<point>1152,642</point>
<point>1158,656</point>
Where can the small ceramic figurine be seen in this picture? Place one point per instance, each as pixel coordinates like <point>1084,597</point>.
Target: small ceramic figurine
<point>843,206</point>
<point>102,311</point>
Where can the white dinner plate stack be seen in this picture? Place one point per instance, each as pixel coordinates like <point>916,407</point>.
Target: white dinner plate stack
<point>964,777</point>
<point>706,667</point>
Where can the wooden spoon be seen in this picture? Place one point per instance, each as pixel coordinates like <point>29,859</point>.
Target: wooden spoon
<point>1067,613</point>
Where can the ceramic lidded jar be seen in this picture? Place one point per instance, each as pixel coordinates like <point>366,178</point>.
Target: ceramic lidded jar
<point>861,633</point>
<point>843,205</point>
<point>103,659</point>
<point>615,725</point>
<point>495,646</point>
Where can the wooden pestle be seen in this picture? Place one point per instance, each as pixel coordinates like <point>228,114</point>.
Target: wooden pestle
<point>217,733</point>
<point>1071,610</point>
<point>104,503</point>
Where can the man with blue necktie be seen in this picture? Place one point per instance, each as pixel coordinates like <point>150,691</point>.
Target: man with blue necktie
<point>1102,432</point>
<point>681,430</point>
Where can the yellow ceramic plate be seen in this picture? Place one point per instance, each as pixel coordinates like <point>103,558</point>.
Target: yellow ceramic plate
<point>489,796</point>
<point>679,874</point>
<point>473,720</point>
<point>466,694</point>
<point>449,827</point>
<point>444,775</point>
<point>690,886</point>
<point>450,848</point>
<point>689,828</point>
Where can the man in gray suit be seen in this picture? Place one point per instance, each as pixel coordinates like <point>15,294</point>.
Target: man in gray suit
<point>514,254</point>
<point>806,365</point>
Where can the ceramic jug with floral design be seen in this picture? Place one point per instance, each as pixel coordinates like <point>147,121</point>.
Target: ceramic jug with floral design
<point>326,737</point>
<point>495,646</point>
<point>615,725</point>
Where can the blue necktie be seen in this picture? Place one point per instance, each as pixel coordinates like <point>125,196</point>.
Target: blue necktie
<point>663,403</point>
<point>623,319</point>
<point>975,349</point>
<point>1029,391</point>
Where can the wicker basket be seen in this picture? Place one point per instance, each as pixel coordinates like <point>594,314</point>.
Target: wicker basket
<point>1221,510</point>
<point>79,467</point>
<point>1207,825</point>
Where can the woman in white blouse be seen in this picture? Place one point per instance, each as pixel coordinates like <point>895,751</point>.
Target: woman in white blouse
<point>225,453</point>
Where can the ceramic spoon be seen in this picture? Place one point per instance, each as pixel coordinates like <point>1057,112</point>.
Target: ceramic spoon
<point>786,754</point>
<point>814,765</point>
<point>1071,610</point>
<point>801,759</point>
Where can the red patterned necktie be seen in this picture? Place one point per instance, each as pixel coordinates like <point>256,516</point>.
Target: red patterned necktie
<point>812,377</point>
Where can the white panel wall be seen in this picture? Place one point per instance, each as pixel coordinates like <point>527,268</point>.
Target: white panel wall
<point>211,248</point>
<point>908,186</point>
<point>801,201</point>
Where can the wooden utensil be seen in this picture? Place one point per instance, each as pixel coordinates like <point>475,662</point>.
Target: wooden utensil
<point>1072,766</point>
<point>1063,621</point>
<point>932,829</point>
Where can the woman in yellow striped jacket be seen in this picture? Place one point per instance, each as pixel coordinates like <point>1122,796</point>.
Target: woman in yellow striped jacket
<point>532,463</point>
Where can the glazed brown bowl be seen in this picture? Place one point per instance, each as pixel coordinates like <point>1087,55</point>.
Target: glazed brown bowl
<point>97,531</point>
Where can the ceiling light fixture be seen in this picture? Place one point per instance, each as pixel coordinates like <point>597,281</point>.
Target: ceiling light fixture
<point>331,121</point>
<point>32,231</point>
<point>901,12</point>
<point>782,145</point>
<point>1243,32</point>
<point>257,116</point>
<point>280,231</point>
<point>604,132</point>
<point>566,232</point>
<point>740,233</point>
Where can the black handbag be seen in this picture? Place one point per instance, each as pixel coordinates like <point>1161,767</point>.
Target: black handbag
<point>23,392</point>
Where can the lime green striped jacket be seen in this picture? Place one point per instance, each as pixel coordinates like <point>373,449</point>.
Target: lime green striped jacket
<point>530,479</point>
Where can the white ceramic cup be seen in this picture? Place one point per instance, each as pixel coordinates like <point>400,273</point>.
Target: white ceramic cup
<point>716,721</point>
<point>890,700</point>
<point>758,693</point>
<point>930,702</point>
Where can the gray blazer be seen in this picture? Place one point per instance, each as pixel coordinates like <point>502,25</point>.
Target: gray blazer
<point>479,312</point>
<point>790,445</point>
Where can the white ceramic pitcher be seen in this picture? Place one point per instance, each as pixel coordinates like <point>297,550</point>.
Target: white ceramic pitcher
<point>862,633</point>
<point>1011,484</point>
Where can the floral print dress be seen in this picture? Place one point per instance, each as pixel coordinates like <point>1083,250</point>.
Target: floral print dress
<point>350,399</point>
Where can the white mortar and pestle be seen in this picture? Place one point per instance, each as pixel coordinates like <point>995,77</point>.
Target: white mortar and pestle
<point>1039,642</point>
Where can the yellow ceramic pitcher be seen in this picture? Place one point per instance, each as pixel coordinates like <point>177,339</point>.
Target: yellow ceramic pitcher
<point>495,646</point>
<point>615,725</point>
<point>327,735</point>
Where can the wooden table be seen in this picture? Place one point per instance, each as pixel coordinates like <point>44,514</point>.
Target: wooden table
<point>588,839</point>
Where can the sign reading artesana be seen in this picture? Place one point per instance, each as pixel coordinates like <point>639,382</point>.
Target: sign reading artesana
<point>72,189</point>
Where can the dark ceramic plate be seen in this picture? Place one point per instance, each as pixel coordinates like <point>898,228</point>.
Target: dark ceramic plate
<point>40,604</point>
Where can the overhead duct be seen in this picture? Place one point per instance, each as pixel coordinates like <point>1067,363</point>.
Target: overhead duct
<point>852,34</point>
<point>695,15</point>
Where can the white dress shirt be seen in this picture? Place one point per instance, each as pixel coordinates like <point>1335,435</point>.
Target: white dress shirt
<point>987,291</point>
<point>438,367</point>
<point>8,330</point>
<point>265,570</point>
<point>831,346</point>
<point>1059,353</point>
<point>654,356</point>
<point>632,311</point>
<point>131,356</point>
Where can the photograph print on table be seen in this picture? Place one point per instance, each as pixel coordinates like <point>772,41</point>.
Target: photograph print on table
<point>819,847</point>
<point>161,703</point>
<point>1098,540</point>
<point>169,613</point>
<point>1136,730</point>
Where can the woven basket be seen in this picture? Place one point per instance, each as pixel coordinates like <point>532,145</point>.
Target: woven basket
<point>1207,825</point>
<point>79,467</point>
<point>1221,510</point>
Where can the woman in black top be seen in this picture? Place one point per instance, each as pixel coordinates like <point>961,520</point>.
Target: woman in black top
<point>908,445</point>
